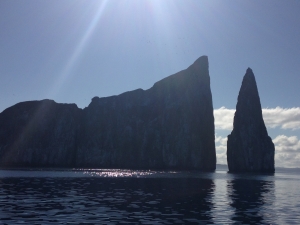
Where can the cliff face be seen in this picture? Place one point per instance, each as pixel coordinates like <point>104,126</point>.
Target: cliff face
<point>249,148</point>
<point>39,133</point>
<point>171,125</point>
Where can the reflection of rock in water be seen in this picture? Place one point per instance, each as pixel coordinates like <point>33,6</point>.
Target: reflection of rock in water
<point>108,200</point>
<point>248,197</point>
<point>184,200</point>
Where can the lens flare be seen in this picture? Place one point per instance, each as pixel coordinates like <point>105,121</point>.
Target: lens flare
<point>66,72</point>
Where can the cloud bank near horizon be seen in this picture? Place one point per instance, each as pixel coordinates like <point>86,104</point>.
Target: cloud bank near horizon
<point>287,149</point>
<point>284,118</point>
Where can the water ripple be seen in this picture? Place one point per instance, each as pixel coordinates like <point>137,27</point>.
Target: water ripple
<point>146,197</point>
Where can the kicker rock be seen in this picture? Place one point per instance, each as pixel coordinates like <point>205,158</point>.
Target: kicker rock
<point>249,148</point>
<point>169,126</point>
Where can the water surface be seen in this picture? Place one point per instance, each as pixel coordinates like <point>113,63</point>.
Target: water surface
<point>148,197</point>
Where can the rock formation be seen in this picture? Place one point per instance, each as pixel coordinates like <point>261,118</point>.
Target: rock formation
<point>249,148</point>
<point>39,133</point>
<point>169,126</point>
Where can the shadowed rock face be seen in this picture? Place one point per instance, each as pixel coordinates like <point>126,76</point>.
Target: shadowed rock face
<point>249,148</point>
<point>39,133</point>
<point>171,125</point>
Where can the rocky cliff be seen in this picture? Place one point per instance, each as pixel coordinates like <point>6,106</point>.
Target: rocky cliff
<point>249,148</point>
<point>171,125</point>
<point>39,133</point>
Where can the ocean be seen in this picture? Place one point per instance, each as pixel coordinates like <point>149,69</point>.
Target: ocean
<point>113,196</point>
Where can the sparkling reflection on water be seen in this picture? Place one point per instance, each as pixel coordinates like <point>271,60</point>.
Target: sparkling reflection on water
<point>147,197</point>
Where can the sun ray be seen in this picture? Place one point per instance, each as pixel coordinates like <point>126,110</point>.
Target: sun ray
<point>66,72</point>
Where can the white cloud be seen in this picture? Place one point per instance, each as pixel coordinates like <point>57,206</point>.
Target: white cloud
<point>222,158</point>
<point>221,140</point>
<point>221,147</point>
<point>285,143</point>
<point>224,118</point>
<point>287,151</point>
<point>284,118</point>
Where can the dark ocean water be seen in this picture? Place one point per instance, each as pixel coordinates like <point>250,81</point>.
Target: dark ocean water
<point>148,197</point>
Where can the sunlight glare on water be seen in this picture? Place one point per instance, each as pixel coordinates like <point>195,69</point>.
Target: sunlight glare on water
<point>114,196</point>
<point>123,173</point>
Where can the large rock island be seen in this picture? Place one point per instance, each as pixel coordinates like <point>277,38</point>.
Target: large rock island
<point>249,148</point>
<point>169,126</point>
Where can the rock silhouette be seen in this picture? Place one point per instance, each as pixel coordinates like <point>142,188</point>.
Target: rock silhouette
<point>249,148</point>
<point>169,126</point>
<point>39,133</point>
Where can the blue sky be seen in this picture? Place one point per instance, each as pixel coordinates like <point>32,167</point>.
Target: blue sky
<point>73,50</point>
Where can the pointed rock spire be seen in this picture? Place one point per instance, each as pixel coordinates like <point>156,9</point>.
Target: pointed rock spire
<point>249,148</point>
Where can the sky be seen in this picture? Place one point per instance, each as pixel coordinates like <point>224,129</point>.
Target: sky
<point>73,50</point>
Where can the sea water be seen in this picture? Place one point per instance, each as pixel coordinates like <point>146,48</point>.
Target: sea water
<point>107,196</point>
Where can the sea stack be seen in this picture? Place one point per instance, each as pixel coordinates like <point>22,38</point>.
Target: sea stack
<point>249,148</point>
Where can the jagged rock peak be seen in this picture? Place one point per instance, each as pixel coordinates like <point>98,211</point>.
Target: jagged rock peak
<point>201,66</point>
<point>248,98</point>
<point>249,71</point>
<point>202,61</point>
<point>249,80</point>
<point>249,148</point>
